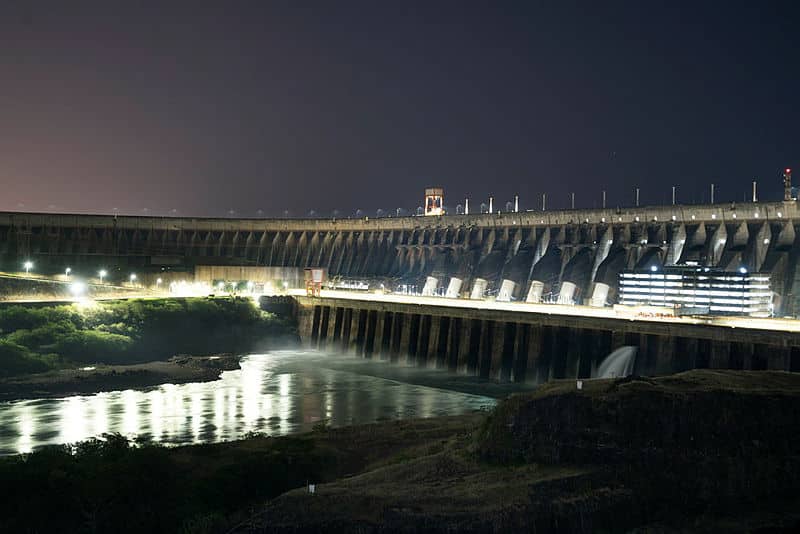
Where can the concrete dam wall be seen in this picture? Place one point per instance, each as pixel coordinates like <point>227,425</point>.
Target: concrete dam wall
<point>571,255</point>
<point>531,347</point>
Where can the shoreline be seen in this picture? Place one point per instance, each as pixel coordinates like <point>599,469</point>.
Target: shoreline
<point>554,460</point>
<point>180,369</point>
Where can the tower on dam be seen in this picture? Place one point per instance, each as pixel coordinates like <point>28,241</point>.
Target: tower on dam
<point>788,193</point>
<point>566,256</point>
<point>434,201</point>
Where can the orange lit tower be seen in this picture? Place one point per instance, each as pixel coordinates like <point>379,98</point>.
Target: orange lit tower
<point>434,201</point>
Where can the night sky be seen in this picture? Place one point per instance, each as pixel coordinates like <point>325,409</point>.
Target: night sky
<point>271,106</point>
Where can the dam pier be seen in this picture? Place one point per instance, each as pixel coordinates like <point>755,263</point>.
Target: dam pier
<point>523,345</point>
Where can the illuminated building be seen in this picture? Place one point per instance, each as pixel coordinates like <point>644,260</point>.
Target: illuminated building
<point>698,290</point>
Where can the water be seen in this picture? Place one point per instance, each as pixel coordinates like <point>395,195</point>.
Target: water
<point>618,364</point>
<point>277,393</point>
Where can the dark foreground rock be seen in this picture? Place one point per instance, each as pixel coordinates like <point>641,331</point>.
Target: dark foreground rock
<point>697,451</point>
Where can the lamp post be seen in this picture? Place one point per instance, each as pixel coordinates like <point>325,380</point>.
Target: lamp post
<point>133,278</point>
<point>102,274</point>
<point>67,272</point>
<point>28,265</point>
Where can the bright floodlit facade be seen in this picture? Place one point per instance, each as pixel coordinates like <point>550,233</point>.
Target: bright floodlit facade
<point>695,290</point>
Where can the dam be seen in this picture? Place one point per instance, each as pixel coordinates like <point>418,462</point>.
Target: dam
<point>512,343</point>
<point>567,256</point>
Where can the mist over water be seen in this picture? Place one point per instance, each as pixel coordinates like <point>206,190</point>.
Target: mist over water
<point>277,393</point>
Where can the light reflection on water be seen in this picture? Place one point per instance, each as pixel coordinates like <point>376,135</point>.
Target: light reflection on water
<point>270,394</point>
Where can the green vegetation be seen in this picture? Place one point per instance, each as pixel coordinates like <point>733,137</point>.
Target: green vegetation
<point>110,485</point>
<point>35,339</point>
<point>116,485</point>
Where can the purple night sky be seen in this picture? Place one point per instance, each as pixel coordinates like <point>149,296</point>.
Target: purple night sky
<point>272,106</point>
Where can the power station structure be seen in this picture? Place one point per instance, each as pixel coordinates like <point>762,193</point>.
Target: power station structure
<point>573,256</point>
<point>692,290</point>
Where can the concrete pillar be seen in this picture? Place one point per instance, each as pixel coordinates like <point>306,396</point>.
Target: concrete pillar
<point>387,322</point>
<point>720,355</point>
<point>469,348</point>
<point>745,355</point>
<point>430,286</point>
<point>684,354</point>
<point>323,327</point>
<point>486,350</point>
<point>404,348</point>
<point>664,355</point>
<point>315,326</point>
<point>305,323</point>
<point>454,288</point>
<point>478,289</point>
<point>369,334</point>
<point>571,352</point>
<point>779,358</point>
<point>433,341</point>
<point>454,343</point>
<point>347,324</point>
<point>520,353</point>
<point>378,333</point>
<point>676,245</point>
<point>509,339</point>
<point>532,356</point>
<point>442,340</point>
<point>567,293</point>
<point>424,340</point>
<point>360,327</point>
<point>399,327</point>
<point>336,336</point>
<point>600,295</point>
<point>497,343</point>
<point>535,292</point>
<point>506,290</point>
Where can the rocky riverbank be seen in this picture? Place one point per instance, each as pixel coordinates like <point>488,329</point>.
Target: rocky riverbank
<point>703,450</point>
<point>96,378</point>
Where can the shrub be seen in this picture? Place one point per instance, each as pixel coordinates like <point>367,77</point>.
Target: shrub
<point>89,346</point>
<point>16,359</point>
<point>28,318</point>
<point>41,336</point>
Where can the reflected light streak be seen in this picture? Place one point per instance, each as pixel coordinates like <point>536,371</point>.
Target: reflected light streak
<point>26,429</point>
<point>264,396</point>
<point>73,420</point>
<point>130,414</point>
<point>100,412</point>
<point>156,414</point>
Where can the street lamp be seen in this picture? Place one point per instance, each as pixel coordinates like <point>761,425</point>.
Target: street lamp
<point>77,288</point>
<point>158,282</point>
<point>102,274</point>
<point>67,271</point>
<point>28,265</point>
<point>133,278</point>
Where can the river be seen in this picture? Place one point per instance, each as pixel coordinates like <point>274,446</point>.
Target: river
<point>277,393</point>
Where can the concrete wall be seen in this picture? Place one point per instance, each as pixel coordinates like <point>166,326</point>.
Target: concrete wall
<point>579,247</point>
<point>528,347</point>
<point>209,273</point>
